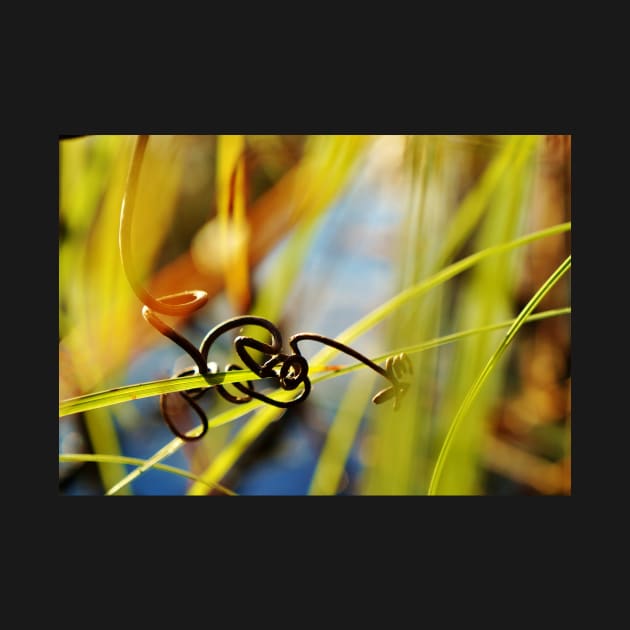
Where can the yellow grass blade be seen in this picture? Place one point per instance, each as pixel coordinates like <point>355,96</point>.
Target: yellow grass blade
<point>341,435</point>
<point>119,459</point>
<point>231,214</point>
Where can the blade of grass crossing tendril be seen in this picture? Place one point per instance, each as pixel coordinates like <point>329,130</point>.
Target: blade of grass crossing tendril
<point>154,388</point>
<point>146,390</point>
<point>237,412</point>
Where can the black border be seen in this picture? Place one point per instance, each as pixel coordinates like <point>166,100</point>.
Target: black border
<point>293,527</point>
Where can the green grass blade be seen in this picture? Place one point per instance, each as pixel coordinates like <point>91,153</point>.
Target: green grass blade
<point>155,459</point>
<point>486,295</point>
<point>380,313</point>
<point>474,390</point>
<point>146,390</point>
<point>441,341</point>
<point>167,386</point>
<point>120,459</point>
<point>154,388</point>
<point>225,460</point>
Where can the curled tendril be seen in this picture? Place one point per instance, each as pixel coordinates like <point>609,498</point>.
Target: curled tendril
<point>290,371</point>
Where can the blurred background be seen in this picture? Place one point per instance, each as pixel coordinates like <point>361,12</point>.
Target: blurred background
<point>321,230</point>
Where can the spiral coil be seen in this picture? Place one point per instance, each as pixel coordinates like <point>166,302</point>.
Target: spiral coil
<point>290,371</point>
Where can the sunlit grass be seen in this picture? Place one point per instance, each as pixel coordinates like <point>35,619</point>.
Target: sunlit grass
<point>476,386</point>
<point>135,461</point>
<point>342,435</point>
<point>362,326</point>
<point>137,391</point>
<point>129,393</point>
<point>234,233</point>
<point>257,424</point>
<point>460,258</point>
<point>494,181</point>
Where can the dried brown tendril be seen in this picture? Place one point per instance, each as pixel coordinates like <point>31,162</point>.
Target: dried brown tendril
<point>290,371</point>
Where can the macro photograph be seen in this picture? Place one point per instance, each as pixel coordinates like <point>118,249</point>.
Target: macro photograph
<point>314,315</point>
